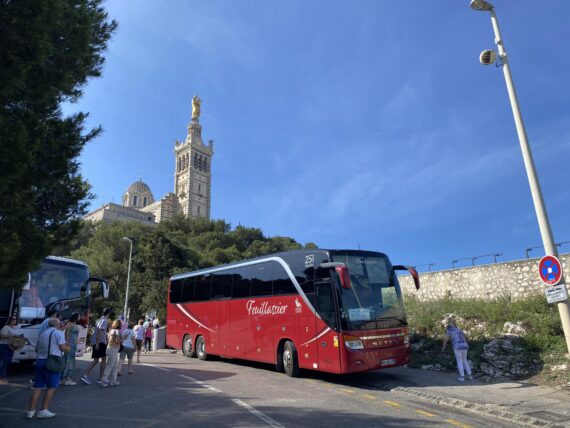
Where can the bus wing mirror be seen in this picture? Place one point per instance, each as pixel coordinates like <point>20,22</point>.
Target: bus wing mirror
<point>103,284</point>
<point>412,271</point>
<point>343,275</point>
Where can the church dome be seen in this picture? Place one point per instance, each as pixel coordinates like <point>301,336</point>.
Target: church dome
<point>138,195</point>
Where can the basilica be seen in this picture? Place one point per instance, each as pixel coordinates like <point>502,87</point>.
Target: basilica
<point>192,184</point>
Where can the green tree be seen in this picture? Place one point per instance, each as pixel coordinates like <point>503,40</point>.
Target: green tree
<point>48,51</point>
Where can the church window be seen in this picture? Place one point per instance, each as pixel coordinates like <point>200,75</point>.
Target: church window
<point>135,200</point>
<point>198,210</point>
<point>144,202</point>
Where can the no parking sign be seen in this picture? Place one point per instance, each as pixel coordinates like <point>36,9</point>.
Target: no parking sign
<point>550,270</point>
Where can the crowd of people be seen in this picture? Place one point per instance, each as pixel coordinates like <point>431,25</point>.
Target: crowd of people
<point>112,342</point>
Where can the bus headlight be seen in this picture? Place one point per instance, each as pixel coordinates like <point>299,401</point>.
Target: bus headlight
<point>353,342</point>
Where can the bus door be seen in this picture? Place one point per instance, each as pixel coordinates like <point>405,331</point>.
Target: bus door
<point>328,343</point>
<point>221,294</point>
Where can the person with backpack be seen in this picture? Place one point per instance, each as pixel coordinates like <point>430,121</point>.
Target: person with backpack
<point>460,348</point>
<point>129,344</point>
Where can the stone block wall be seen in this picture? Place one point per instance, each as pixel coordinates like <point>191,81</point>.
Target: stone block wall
<point>516,279</point>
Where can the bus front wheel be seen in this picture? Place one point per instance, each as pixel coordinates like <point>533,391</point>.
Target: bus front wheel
<point>187,347</point>
<point>201,349</point>
<point>290,360</point>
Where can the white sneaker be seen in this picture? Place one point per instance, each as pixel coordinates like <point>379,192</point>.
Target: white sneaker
<point>44,414</point>
<point>30,414</point>
<point>69,383</point>
<point>85,380</point>
<point>461,379</point>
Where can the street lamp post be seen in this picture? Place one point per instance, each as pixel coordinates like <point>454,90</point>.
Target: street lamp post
<point>125,313</point>
<point>542,216</point>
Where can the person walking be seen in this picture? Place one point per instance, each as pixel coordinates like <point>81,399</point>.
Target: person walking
<point>99,347</point>
<point>148,333</point>
<point>460,348</point>
<point>71,335</point>
<point>129,344</point>
<point>115,340</point>
<point>6,352</point>
<point>139,338</point>
<point>51,342</point>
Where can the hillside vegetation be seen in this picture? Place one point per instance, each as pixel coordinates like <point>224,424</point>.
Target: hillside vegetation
<point>518,340</point>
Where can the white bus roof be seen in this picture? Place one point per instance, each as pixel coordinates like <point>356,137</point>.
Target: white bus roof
<point>66,260</point>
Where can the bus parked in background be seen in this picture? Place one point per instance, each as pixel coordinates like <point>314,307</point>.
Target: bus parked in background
<point>61,285</point>
<point>338,311</point>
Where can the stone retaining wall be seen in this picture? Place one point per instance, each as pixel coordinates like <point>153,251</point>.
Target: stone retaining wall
<point>516,280</point>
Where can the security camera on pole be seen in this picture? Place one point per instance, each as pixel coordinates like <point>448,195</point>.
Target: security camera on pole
<point>488,57</point>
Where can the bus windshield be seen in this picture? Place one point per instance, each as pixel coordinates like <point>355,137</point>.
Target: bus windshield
<point>54,282</point>
<point>374,299</point>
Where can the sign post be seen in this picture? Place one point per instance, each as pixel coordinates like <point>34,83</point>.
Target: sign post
<point>550,271</point>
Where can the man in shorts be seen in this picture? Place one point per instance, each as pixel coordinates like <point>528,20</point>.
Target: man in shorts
<point>99,347</point>
<point>51,342</point>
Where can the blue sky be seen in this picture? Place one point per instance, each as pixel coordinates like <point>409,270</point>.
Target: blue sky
<point>364,124</point>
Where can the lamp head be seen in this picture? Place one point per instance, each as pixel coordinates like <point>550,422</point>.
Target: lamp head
<point>124,238</point>
<point>481,5</point>
<point>488,57</point>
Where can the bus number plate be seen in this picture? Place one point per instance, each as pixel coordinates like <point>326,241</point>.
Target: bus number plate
<point>388,362</point>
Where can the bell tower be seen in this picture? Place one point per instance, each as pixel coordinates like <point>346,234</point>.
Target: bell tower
<point>193,174</point>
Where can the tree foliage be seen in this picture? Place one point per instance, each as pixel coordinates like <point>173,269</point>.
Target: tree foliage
<point>48,50</point>
<point>159,252</point>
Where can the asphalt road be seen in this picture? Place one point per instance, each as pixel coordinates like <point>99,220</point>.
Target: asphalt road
<point>174,391</point>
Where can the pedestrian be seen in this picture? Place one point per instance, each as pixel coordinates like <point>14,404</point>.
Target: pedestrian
<point>51,342</point>
<point>148,333</point>
<point>129,344</point>
<point>139,338</point>
<point>156,323</point>
<point>71,335</point>
<point>6,352</point>
<point>460,348</point>
<point>99,347</point>
<point>114,340</point>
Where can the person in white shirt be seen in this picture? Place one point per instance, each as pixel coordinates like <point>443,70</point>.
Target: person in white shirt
<point>6,352</point>
<point>139,338</point>
<point>51,342</point>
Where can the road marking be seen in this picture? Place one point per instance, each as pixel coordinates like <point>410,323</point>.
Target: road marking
<point>347,391</point>
<point>156,367</point>
<point>421,412</point>
<point>392,403</point>
<point>202,384</point>
<point>370,397</point>
<point>257,413</point>
<point>458,424</point>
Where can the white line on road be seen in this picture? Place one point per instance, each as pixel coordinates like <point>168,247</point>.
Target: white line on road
<point>257,413</point>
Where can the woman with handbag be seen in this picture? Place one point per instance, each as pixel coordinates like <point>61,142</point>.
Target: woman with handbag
<point>6,351</point>
<point>49,365</point>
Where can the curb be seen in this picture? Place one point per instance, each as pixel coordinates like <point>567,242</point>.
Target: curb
<point>489,410</point>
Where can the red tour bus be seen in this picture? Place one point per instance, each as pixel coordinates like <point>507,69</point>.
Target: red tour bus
<point>338,311</point>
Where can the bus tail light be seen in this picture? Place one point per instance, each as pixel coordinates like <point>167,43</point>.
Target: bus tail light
<point>343,275</point>
<point>353,342</point>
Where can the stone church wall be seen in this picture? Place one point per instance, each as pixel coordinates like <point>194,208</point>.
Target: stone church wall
<point>515,280</point>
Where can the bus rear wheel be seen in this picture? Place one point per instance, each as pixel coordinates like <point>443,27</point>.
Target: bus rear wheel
<point>188,347</point>
<point>201,349</point>
<point>290,360</point>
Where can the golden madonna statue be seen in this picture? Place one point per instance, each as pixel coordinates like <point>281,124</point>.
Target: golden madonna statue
<point>196,107</point>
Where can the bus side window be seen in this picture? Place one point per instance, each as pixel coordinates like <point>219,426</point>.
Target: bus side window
<point>221,285</point>
<point>176,291</point>
<point>282,284</point>
<point>261,284</point>
<point>241,285</point>
<point>325,304</point>
<point>203,283</point>
<point>188,286</point>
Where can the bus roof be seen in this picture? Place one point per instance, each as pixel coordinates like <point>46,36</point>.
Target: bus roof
<point>65,260</point>
<point>283,254</point>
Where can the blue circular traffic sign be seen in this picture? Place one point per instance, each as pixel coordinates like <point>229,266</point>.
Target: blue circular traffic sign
<point>550,270</point>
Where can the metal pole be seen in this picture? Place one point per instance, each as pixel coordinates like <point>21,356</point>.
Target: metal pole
<point>125,310</point>
<point>542,216</point>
